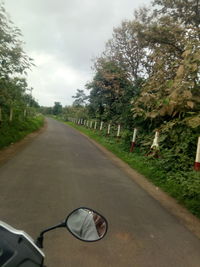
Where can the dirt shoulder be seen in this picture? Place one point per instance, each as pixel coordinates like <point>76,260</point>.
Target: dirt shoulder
<point>8,152</point>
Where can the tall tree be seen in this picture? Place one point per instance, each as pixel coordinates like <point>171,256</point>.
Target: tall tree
<point>13,64</point>
<point>185,11</point>
<point>12,57</point>
<point>80,98</point>
<point>57,108</point>
<point>127,50</point>
<point>172,88</point>
<point>111,92</point>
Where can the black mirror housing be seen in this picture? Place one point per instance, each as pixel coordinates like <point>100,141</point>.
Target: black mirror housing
<point>86,224</point>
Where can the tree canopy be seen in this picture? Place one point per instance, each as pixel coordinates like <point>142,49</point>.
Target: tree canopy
<point>14,63</point>
<point>151,66</point>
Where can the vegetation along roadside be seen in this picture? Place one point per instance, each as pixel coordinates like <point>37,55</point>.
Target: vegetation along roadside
<point>184,185</point>
<point>15,131</point>
<point>148,77</point>
<point>18,108</point>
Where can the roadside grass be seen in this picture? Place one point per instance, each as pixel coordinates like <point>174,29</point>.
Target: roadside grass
<point>184,186</point>
<point>11,132</point>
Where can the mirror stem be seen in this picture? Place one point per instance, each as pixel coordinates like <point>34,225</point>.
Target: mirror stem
<point>39,241</point>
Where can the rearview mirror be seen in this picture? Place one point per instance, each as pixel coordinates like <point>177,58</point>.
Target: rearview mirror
<point>86,224</point>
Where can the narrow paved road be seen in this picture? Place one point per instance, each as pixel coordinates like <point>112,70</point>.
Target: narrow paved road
<point>62,170</point>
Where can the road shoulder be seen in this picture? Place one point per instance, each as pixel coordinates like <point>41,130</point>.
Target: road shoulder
<point>8,152</point>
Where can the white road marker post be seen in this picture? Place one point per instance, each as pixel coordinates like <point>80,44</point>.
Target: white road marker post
<point>87,125</point>
<point>155,141</point>
<point>95,125</point>
<point>108,132</point>
<point>118,130</point>
<point>101,126</point>
<point>197,160</point>
<point>91,124</point>
<point>154,151</point>
<point>133,140</point>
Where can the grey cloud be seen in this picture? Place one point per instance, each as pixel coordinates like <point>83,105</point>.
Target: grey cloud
<point>72,31</point>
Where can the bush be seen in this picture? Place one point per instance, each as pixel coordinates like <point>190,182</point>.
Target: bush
<point>11,132</point>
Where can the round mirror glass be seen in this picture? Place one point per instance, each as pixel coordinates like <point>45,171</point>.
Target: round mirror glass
<point>86,224</point>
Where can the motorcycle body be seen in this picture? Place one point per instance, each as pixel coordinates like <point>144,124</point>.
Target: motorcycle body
<point>18,249</point>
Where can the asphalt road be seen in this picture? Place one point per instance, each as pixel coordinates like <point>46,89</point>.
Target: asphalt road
<point>61,170</point>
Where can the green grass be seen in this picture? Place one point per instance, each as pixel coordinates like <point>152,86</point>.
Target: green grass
<point>184,186</point>
<point>11,132</point>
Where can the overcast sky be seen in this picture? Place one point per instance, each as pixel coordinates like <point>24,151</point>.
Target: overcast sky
<point>62,36</point>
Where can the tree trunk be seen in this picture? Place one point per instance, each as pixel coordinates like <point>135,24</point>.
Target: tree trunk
<point>11,114</point>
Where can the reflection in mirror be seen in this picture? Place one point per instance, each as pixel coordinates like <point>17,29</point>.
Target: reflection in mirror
<point>86,224</point>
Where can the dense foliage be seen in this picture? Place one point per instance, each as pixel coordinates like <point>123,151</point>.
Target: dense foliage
<point>148,77</point>
<point>11,133</point>
<point>17,105</point>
